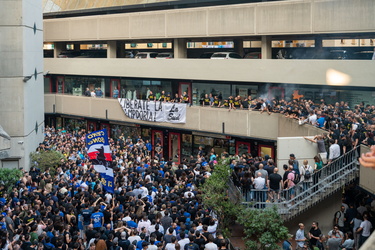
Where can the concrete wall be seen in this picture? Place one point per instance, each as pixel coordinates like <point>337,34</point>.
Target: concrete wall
<point>323,213</point>
<point>252,19</point>
<point>247,123</point>
<point>301,148</point>
<point>22,109</point>
<point>366,175</point>
<point>316,72</point>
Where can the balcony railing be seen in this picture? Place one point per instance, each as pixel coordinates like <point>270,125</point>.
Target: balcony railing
<point>304,195</point>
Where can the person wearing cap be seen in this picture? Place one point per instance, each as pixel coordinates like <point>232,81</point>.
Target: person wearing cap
<point>287,244</point>
<point>123,242</point>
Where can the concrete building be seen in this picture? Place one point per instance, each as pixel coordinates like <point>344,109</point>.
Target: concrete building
<point>21,81</point>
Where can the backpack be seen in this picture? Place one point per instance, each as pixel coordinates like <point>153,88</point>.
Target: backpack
<point>297,178</point>
<point>337,215</point>
<point>307,173</point>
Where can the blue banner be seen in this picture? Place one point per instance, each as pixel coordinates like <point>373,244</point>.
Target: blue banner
<point>100,157</point>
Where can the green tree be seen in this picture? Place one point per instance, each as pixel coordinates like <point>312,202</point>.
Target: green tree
<point>263,228</point>
<point>9,177</point>
<point>45,159</point>
<point>215,196</point>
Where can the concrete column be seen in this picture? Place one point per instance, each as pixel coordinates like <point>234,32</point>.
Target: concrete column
<point>111,49</point>
<point>318,42</point>
<point>238,46</point>
<point>59,46</point>
<point>179,48</point>
<point>266,47</point>
<point>77,46</point>
<point>120,49</point>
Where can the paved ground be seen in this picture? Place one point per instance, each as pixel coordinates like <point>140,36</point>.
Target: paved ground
<point>237,234</point>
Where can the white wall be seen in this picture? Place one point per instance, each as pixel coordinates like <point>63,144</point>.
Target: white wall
<point>300,147</point>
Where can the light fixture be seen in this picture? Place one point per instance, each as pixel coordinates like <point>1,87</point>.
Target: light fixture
<point>26,78</point>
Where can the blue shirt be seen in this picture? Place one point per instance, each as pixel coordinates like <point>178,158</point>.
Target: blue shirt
<point>132,224</point>
<point>98,219</point>
<point>320,122</point>
<point>287,245</point>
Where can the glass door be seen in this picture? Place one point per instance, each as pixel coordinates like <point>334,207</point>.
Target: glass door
<point>106,126</point>
<point>185,87</point>
<point>91,126</point>
<point>157,142</point>
<point>242,148</point>
<point>174,147</point>
<point>60,85</point>
<point>115,88</point>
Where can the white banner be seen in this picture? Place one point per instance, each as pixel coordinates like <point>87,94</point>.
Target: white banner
<point>154,111</point>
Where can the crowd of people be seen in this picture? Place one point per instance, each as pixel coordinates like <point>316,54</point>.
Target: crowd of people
<point>352,225</point>
<point>156,204</point>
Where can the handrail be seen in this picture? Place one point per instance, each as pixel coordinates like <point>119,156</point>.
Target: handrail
<point>305,194</point>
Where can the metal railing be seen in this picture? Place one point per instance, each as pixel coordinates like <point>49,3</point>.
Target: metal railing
<point>323,183</point>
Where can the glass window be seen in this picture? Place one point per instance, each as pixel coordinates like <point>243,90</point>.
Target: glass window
<point>77,85</point>
<point>186,146</point>
<point>140,89</point>
<point>200,89</point>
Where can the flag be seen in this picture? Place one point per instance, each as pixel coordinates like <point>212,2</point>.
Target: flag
<point>99,154</point>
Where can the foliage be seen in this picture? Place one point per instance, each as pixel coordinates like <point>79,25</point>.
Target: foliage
<point>9,177</point>
<point>215,196</point>
<point>45,159</point>
<point>263,228</point>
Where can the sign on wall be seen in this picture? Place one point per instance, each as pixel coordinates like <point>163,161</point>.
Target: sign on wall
<point>154,111</point>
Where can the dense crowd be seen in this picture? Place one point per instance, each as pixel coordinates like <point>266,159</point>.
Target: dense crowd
<point>156,204</point>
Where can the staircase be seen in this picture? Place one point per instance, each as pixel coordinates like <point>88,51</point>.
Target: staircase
<point>325,182</point>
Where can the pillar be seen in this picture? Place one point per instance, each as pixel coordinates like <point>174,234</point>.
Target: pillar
<point>238,46</point>
<point>266,47</point>
<point>59,46</point>
<point>120,51</point>
<point>77,46</point>
<point>318,42</point>
<point>111,49</point>
<point>179,48</point>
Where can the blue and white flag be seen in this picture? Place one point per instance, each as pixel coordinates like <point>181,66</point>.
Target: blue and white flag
<point>99,154</point>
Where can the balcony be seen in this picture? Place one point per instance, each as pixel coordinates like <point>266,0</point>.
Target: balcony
<point>250,124</point>
<point>353,73</point>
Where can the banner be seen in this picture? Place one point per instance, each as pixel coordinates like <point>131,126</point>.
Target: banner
<point>154,111</point>
<point>99,154</point>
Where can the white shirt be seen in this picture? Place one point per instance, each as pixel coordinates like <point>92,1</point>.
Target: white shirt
<point>259,183</point>
<point>366,227</point>
<point>312,119</point>
<point>145,224</point>
<point>212,229</point>
<point>334,151</point>
<point>210,246</point>
<point>183,242</point>
<point>170,246</point>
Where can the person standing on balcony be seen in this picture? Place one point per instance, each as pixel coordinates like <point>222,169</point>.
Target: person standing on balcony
<point>99,93</point>
<point>115,93</point>
<point>87,92</point>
